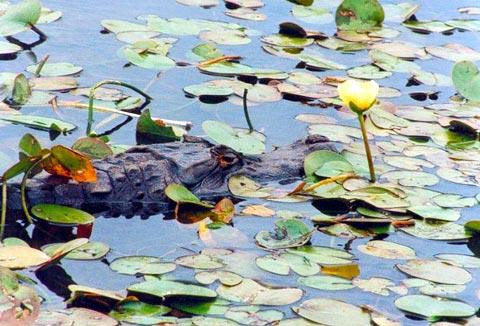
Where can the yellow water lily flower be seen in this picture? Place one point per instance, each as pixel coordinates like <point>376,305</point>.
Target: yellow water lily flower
<point>359,96</point>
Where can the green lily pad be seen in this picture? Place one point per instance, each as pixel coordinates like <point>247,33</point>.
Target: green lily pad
<point>324,256</point>
<point>359,16</point>
<point>464,261</point>
<point>56,69</point>
<point>139,313</point>
<point>238,139</point>
<point>242,186</point>
<point>466,78</point>
<point>288,233</point>
<point>433,308</point>
<point>281,264</point>
<point>252,292</point>
<point>332,312</point>
<point>133,265</point>
<point>42,123</point>
<point>252,315</point>
<point>19,17</point>
<point>368,72</point>
<point>386,249</point>
<point>436,213</point>
<point>181,195</point>
<point>435,271</point>
<point>9,48</point>
<point>62,215</point>
<point>435,230</point>
<point>89,251</point>
<point>326,282</point>
<point>165,289</point>
<point>92,147</point>
<point>312,15</point>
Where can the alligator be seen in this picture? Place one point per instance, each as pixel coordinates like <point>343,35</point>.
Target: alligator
<point>134,181</point>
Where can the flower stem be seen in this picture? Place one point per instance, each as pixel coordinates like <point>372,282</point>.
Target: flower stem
<point>245,110</point>
<point>23,185</point>
<point>4,207</point>
<point>148,98</point>
<point>371,167</point>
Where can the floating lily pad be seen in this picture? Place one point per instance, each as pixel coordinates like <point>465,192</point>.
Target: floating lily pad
<point>435,271</point>
<point>18,18</point>
<point>40,122</point>
<point>89,251</point>
<point>56,69</point>
<point>132,265</point>
<point>288,233</point>
<point>434,308</point>
<point>386,249</point>
<point>332,312</point>
<point>238,139</point>
<point>141,313</point>
<point>164,289</point>
<point>252,292</point>
<point>19,257</point>
<point>329,283</point>
<point>243,186</point>
<point>62,215</point>
<point>181,195</point>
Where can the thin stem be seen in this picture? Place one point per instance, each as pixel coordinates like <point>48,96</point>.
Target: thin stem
<point>23,186</point>
<point>148,98</point>
<point>245,110</point>
<point>40,65</point>
<point>371,167</point>
<point>4,207</point>
<point>341,177</point>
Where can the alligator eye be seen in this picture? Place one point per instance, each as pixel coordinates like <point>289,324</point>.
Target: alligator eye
<point>227,160</point>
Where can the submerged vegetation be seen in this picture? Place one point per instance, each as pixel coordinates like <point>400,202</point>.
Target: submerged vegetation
<point>381,230</point>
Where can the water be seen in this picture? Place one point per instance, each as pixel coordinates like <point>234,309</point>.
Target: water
<point>76,38</point>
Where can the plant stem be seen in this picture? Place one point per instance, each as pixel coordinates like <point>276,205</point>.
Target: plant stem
<point>4,207</point>
<point>23,186</point>
<point>40,65</point>
<point>148,98</point>
<point>371,167</point>
<point>245,110</point>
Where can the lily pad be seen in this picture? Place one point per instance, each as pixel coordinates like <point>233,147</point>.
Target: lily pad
<point>56,69</point>
<point>133,265</point>
<point>238,139</point>
<point>435,271</point>
<point>332,312</point>
<point>62,215</point>
<point>288,233</point>
<point>433,308</point>
<point>252,292</point>
<point>165,289</point>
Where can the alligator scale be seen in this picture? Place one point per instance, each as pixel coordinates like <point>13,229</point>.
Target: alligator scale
<point>136,179</point>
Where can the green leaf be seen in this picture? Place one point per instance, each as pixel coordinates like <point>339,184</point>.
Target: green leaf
<point>29,145</point>
<point>150,132</point>
<point>288,233</point>
<point>42,123</point>
<point>433,308</point>
<point>62,215</point>
<point>164,289</point>
<point>56,69</point>
<point>92,147</point>
<point>238,139</point>
<point>466,78</point>
<point>21,90</point>
<point>181,195</point>
<point>19,17</point>
<point>133,265</point>
<point>364,15</point>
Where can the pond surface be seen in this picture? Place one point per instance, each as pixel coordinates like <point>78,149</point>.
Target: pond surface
<point>76,38</point>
